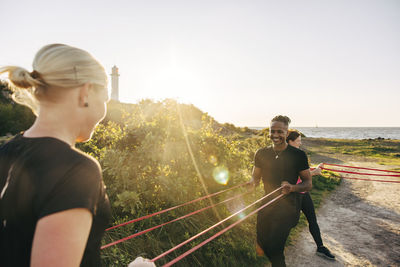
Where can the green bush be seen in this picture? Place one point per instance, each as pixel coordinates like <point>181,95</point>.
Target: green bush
<point>156,155</point>
<point>161,154</point>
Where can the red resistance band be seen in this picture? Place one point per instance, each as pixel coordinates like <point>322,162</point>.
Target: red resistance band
<point>363,179</point>
<point>372,180</point>
<point>174,220</point>
<point>219,233</point>
<point>172,208</point>
<point>361,173</point>
<point>213,226</point>
<point>361,168</point>
<point>234,224</point>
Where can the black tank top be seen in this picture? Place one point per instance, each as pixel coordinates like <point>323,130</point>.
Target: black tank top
<point>42,176</point>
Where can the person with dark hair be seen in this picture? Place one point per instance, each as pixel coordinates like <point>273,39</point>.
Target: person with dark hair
<point>279,165</point>
<point>307,205</point>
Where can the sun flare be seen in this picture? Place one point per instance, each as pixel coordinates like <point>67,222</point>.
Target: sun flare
<point>173,82</point>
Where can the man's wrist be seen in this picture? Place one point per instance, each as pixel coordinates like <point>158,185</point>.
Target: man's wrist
<point>293,188</point>
<point>296,189</point>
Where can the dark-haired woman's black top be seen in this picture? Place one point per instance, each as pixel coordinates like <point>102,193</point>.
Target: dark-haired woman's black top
<point>42,176</point>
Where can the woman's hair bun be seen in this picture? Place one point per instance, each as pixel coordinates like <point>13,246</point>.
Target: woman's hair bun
<point>21,78</point>
<point>54,66</point>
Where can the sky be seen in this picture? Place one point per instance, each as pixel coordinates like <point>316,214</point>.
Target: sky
<point>325,63</point>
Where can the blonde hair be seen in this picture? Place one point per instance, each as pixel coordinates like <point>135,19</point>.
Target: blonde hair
<point>54,66</point>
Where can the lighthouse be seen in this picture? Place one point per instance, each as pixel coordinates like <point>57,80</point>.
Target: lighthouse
<point>114,83</point>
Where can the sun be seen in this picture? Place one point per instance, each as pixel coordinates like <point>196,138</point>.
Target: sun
<point>173,82</point>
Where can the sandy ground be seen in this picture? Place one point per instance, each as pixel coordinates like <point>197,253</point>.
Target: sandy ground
<point>359,222</point>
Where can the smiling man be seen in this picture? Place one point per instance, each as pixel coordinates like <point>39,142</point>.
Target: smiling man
<point>279,165</point>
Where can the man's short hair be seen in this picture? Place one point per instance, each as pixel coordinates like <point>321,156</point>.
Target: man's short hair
<point>281,118</point>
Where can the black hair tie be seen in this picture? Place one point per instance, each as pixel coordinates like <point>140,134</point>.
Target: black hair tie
<point>35,75</point>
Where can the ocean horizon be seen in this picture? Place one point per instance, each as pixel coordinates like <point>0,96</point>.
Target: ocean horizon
<point>348,132</point>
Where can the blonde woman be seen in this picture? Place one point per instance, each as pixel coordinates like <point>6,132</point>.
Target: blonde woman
<point>53,204</point>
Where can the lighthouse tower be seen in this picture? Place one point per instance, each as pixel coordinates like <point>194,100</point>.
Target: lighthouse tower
<point>114,84</point>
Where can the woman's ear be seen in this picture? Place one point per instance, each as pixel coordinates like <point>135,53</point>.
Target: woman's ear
<point>84,95</point>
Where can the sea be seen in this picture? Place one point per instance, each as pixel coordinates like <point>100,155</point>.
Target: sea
<point>349,132</point>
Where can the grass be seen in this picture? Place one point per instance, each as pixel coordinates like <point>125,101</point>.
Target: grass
<point>386,152</point>
<point>381,149</point>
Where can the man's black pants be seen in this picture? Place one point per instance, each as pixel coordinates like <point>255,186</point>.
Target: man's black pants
<point>273,227</point>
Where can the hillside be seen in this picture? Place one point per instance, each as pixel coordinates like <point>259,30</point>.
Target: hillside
<point>156,155</point>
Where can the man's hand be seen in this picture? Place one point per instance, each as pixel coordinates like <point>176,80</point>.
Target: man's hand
<point>286,188</point>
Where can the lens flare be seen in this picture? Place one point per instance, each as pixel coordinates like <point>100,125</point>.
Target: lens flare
<point>213,160</point>
<point>241,215</point>
<point>221,175</point>
<point>236,205</point>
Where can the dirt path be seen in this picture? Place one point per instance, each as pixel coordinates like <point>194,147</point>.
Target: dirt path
<point>359,221</point>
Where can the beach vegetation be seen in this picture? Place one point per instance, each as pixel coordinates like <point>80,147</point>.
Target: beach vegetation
<point>385,150</point>
<point>161,154</point>
<point>158,154</point>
